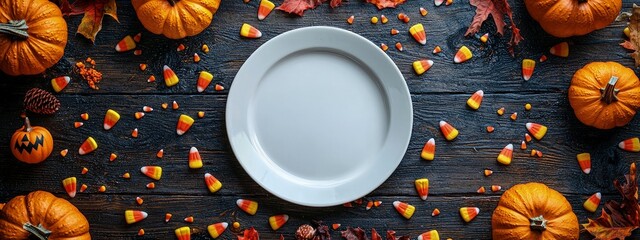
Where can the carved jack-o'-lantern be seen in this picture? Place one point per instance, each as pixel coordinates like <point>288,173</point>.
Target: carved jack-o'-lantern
<point>31,144</point>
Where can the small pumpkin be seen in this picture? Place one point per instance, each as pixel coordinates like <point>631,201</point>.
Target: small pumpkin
<point>40,215</point>
<point>33,36</point>
<point>534,211</point>
<point>566,18</point>
<point>605,94</point>
<point>175,19</point>
<point>31,144</point>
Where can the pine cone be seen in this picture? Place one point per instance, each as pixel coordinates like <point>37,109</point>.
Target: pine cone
<point>305,232</point>
<point>40,101</point>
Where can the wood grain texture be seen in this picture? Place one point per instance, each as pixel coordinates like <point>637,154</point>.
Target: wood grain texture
<point>439,94</point>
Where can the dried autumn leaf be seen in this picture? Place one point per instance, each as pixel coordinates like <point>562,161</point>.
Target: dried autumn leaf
<point>386,3</point>
<point>94,13</point>
<point>634,37</point>
<point>299,6</point>
<point>322,231</point>
<point>250,234</point>
<point>375,235</point>
<point>391,235</point>
<point>497,9</point>
<point>354,234</point>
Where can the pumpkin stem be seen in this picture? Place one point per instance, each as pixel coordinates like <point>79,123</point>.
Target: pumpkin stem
<point>27,125</point>
<point>582,1</point>
<point>609,93</point>
<point>538,223</point>
<point>173,2</point>
<point>16,28</point>
<point>37,232</point>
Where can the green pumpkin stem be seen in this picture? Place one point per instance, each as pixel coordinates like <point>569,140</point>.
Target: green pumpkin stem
<point>27,125</point>
<point>538,223</point>
<point>609,93</point>
<point>16,28</point>
<point>37,232</point>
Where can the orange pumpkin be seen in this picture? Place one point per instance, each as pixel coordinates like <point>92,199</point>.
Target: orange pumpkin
<point>33,35</point>
<point>39,214</point>
<point>534,211</point>
<point>31,144</point>
<point>175,19</point>
<point>604,94</point>
<point>566,18</point>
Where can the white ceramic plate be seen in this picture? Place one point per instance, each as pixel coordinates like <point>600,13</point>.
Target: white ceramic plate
<point>319,116</point>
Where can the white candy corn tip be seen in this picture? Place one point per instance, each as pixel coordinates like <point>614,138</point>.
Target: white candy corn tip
<point>438,2</point>
<point>165,68</point>
<point>598,195</point>
<point>481,93</point>
<point>200,89</point>
<point>396,204</point>
<point>239,202</point>
<point>180,132</point>
<point>67,79</point>
<point>81,152</point>
<point>529,125</point>
<point>193,150</point>
<point>621,145</point>
<point>509,147</point>
<point>442,123</point>
<point>431,141</point>
<point>285,217</point>
<point>144,214</point>
<point>587,170</point>
<point>224,224</point>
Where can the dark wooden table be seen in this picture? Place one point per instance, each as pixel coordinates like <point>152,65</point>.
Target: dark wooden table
<point>440,94</point>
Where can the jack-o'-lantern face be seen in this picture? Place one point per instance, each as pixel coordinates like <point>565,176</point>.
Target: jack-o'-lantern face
<point>31,144</point>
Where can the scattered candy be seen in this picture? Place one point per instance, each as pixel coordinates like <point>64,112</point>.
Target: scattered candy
<point>437,50</point>
<point>137,52</point>
<point>84,116</point>
<point>112,157</point>
<point>184,123</point>
<point>475,100</point>
<point>164,105</point>
<point>196,58</point>
<point>384,47</point>
<point>88,146</point>
<point>167,217</point>
<point>264,9</point>
<point>406,19</point>
<point>195,161</point>
<point>591,204</point>
<point>539,153</point>
<point>70,186</point>
<point>335,226</point>
<point>449,2</point>
<point>154,172</point>
<point>77,124</point>
<point>402,16</point>
<point>469,213</point>
<point>430,235</point>
<point>249,31</point>
<point>143,66</point>
<point>216,229</point>
<point>218,87</point>
<point>84,171</point>
<point>64,152</point>
<point>160,153</point>
<point>394,31</point>
<point>584,160</point>
<point>137,37</point>
<point>278,221</point>
<point>495,188</point>
<point>83,187</point>
<point>180,47</point>
<point>183,233</point>
<point>205,48</point>
<point>138,115</point>
<point>369,206</point>
<point>527,68</point>
<point>435,212</point>
<point>126,44</point>
<point>151,79</point>
<point>377,203</point>
<point>139,200</point>
<point>506,154</point>
<point>484,38</point>
<point>102,189</point>
<point>212,183</point>
<point>527,106</point>
<point>236,225</point>
<point>110,119</point>
<point>422,186</point>
<point>627,32</point>
<point>175,105</point>
<point>399,46</point>
<point>533,152</point>
<point>560,49</point>
<point>527,137</point>
<point>189,219</point>
<point>631,145</point>
<point>500,111</point>
<point>170,78</point>
<point>358,201</point>
<point>481,190</point>
<point>350,19</point>
<point>537,130</point>
<point>200,114</point>
<point>421,66</point>
<point>141,232</point>
<point>418,33</point>
<point>60,83</point>
<point>126,175</point>
<point>490,129</point>
<point>404,209</point>
<point>384,19</point>
<point>543,58</point>
<point>248,206</point>
<point>514,116</point>
<point>523,145</point>
<point>462,55</point>
<point>374,20</point>
<point>134,133</point>
<point>429,150</point>
<point>151,185</point>
<point>448,131</point>
<point>488,172</point>
<point>204,79</point>
<point>438,2</point>
<point>423,12</point>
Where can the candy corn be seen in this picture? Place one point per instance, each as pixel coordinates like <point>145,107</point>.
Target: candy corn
<point>160,153</point>
<point>184,123</point>
<point>369,205</point>
<point>183,233</point>
<point>205,78</point>
<point>495,188</point>
<point>195,161</point>
<point>404,209</point>
<point>84,116</point>
<point>126,44</point>
<point>212,183</point>
<point>437,50</point>
<point>167,217</point>
<point>422,186</point>
<point>141,232</point>
<point>488,172</point>
<point>134,133</point>
<point>216,229</point>
<point>506,154</point>
<point>143,66</point>
<point>139,200</point>
<point>335,226</point>
<point>181,47</point>
<point>151,185</point>
<point>102,189</point>
<point>189,219</point>
<point>484,38</point>
<point>170,78</point>
<point>481,190</point>
<point>448,131</point>
<point>126,175</point>
<point>384,19</point>
<point>537,130</point>
<point>78,124</point>
<point>584,160</point>
<point>591,204</point>
<point>462,55</point>
<point>500,111</point>
<point>514,116</point>
<point>112,157</point>
<point>137,37</point>
<point>423,12</point>
<point>151,79</point>
<point>84,171</point>
<point>421,66</point>
<point>70,186</point>
<point>278,220</point>
<point>248,206</point>
<point>430,235</point>
<point>138,115</point>
<point>429,150</point>
<point>523,145</point>
<point>205,48</point>
<point>448,2</point>
<point>154,172</point>
<point>394,31</point>
<point>560,49</point>
<point>418,33</point>
<point>110,119</point>
<point>196,58</point>
<point>64,152</point>
<point>402,16</point>
<point>527,137</point>
<point>350,19</point>
<point>200,114</point>
<point>490,129</point>
<point>527,68</point>
<point>435,212</point>
<point>88,146</point>
<point>175,105</point>
<point>60,83</point>
<point>384,47</point>
<point>134,216</point>
<point>249,31</point>
<point>475,100</point>
<point>438,2</point>
<point>543,58</point>
<point>147,109</point>
<point>218,87</point>
<point>399,46</point>
<point>631,145</point>
<point>377,203</point>
<point>264,9</point>
<point>469,213</point>
<point>83,187</point>
<point>137,52</point>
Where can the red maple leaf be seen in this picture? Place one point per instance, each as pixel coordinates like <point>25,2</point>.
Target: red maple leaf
<point>497,9</point>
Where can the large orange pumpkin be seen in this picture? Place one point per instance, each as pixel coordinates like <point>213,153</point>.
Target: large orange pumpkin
<point>534,211</point>
<point>33,35</point>
<point>566,18</point>
<point>605,94</point>
<point>41,213</point>
<point>175,19</point>
<point>31,144</point>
